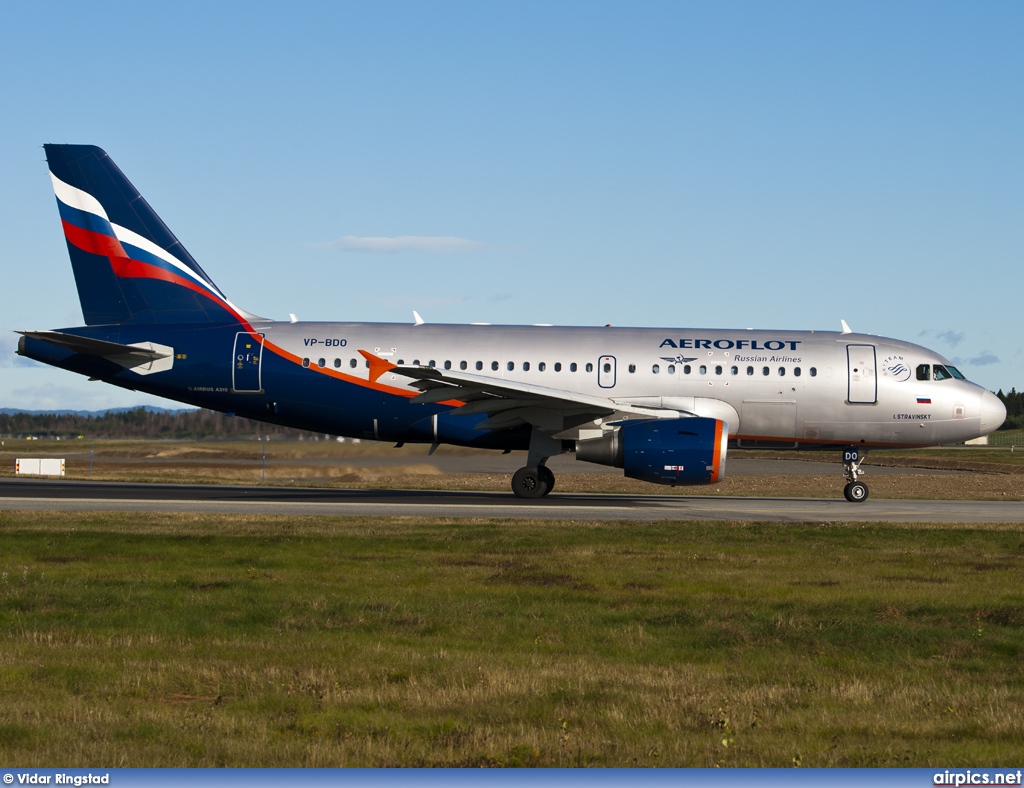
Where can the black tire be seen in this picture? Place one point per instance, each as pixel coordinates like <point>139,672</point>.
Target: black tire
<point>528,483</point>
<point>856,492</point>
<point>547,477</point>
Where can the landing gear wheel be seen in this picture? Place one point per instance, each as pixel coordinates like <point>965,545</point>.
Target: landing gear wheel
<point>547,477</point>
<point>529,483</point>
<point>856,492</point>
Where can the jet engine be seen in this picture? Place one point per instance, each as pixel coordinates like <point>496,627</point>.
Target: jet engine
<point>663,451</point>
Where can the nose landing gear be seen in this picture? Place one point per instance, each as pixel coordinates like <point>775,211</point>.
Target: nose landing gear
<point>855,491</point>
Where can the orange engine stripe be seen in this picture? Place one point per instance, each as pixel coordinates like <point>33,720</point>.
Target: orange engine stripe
<point>717,461</point>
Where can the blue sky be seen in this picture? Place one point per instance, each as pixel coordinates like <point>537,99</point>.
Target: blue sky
<point>712,164</point>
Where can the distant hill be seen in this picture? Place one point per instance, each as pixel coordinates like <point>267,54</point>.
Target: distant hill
<point>92,413</point>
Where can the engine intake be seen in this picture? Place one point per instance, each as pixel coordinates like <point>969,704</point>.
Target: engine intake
<point>663,451</point>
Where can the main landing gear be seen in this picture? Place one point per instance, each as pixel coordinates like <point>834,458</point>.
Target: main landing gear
<point>533,482</point>
<point>855,491</point>
<point>536,480</point>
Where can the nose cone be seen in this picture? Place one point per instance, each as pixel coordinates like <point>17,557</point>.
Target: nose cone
<point>993,412</point>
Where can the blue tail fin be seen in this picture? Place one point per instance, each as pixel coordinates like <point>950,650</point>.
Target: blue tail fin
<point>128,266</point>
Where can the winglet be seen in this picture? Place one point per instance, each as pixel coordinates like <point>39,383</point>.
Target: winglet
<point>416,317</point>
<point>378,365</point>
<point>846,328</point>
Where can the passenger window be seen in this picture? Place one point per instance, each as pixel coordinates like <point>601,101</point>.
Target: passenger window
<point>750,370</point>
<point>447,365</point>
<point>479,365</point>
<point>813,371</point>
<point>632,368</point>
<point>671,369</point>
<point>305,363</point>
<point>337,363</point>
<point>765,371</point>
<point>796,372</point>
<point>401,362</point>
<point>924,372</point>
<point>590,367</point>
<point>656,369</point>
<point>432,364</point>
<point>718,370</point>
<point>686,370</point>
<point>353,363</point>
<point>526,366</point>
<point>416,362</point>
<point>607,367</point>
<point>735,370</point>
<point>558,366</point>
<point>541,366</point>
<point>494,365</point>
<point>572,367</point>
<point>703,369</point>
<point>782,372</point>
<point>463,365</point>
<point>323,363</point>
<point>510,366</point>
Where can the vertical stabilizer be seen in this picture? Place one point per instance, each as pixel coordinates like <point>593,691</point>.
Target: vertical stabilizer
<point>128,265</point>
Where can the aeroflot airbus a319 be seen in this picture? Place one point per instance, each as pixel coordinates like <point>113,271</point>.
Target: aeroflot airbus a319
<point>663,404</point>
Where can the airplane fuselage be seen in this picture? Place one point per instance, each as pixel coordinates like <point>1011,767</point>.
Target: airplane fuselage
<point>792,389</point>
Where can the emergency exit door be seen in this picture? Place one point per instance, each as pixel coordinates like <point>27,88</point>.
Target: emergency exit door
<point>606,372</point>
<point>863,385</point>
<point>246,363</point>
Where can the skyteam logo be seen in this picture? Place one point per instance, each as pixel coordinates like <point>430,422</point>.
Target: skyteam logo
<point>896,368</point>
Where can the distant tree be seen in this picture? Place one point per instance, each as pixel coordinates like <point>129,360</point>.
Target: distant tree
<point>1014,402</point>
<point>142,423</point>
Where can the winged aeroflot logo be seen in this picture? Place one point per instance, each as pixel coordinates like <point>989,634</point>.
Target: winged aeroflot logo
<point>680,359</point>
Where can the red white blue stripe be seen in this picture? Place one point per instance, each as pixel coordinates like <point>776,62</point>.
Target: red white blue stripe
<point>87,226</point>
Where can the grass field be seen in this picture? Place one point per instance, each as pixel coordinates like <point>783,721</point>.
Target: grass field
<point>172,640</point>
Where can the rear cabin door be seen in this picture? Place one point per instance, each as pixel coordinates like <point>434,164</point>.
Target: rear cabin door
<point>606,372</point>
<point>246,363</point>
<point>863,385</point>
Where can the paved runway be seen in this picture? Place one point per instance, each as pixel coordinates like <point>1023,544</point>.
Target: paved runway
<point>67,495</point>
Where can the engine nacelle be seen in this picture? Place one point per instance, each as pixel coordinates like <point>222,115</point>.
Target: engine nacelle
<point>663,451</point>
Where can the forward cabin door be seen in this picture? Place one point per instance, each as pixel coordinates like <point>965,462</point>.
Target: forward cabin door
<point>863,385</point>
<point>246,363</point>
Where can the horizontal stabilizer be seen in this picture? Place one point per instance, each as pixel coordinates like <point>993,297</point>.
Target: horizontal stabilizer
<point>144,357</point>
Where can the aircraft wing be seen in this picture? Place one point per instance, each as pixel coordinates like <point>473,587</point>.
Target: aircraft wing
<point>508,403</point>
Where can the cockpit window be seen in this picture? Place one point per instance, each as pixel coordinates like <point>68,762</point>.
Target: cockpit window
<point>938,372</point>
